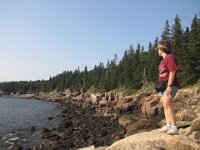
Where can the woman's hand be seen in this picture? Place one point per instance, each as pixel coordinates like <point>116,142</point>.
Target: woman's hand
<point>169,90</point>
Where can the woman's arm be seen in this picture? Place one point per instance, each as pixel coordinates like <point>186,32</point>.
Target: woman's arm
<point>172,75</point>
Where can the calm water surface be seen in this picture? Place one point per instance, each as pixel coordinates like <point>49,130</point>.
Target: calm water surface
<point>17,116</point>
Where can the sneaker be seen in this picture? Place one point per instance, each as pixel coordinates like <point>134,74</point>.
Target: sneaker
<point>164,129</point>
<point>173,131</point>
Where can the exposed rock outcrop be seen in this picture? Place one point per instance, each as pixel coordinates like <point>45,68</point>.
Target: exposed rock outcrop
<point>97,120</point>
<point>149,110</point>
<point>154,140</point>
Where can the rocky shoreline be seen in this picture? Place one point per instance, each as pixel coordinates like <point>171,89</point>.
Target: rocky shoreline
<point>97,120</point>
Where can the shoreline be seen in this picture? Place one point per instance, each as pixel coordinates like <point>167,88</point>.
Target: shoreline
<point>99,120</point>
<point>23,120</point>
<point>78,118</point>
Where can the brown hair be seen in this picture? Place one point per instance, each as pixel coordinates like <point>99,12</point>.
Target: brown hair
<point>167,46</point>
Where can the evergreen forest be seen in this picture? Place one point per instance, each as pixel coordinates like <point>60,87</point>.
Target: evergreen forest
<point>136,66</point>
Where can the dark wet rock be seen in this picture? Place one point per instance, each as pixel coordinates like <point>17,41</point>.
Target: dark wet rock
<point>65,123</point>
<point>81,127</point>
<point>49,134</point>
<point>33,129</point>
<point>17,147</point>
<point>58,146</point>
<point>41,147</point>
<point>45,130</point>
<point>50,118</point>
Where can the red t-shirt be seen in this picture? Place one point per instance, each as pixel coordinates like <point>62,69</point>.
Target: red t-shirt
<point>167,65</point>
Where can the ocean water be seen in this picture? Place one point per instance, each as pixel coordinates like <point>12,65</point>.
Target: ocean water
<point>17,116</point>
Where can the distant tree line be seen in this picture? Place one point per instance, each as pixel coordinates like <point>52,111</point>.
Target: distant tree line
<point>130,72</point>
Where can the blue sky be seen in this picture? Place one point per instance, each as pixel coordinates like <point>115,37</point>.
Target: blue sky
<point>42,38</point>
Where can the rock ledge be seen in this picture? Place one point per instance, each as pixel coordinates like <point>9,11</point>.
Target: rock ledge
<point>154,140</point>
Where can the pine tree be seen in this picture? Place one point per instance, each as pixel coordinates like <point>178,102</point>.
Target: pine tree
<point>137,73</point>
<point>153,61</point>
<point>85,78</point>
<point>122,70</point>
<point>186,62</point>
<point>126,68</point>
<point>129,68</point>
<point>178,46</point>
<point>167,32</point>
<point>194,48</point>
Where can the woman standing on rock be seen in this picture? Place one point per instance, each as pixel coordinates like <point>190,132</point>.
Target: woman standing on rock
<point>167,72</point>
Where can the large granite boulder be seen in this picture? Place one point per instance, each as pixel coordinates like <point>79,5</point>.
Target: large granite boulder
<point>154,140</point>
